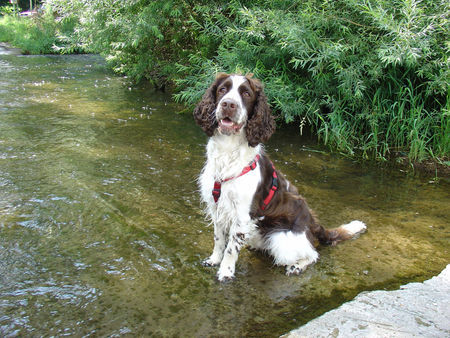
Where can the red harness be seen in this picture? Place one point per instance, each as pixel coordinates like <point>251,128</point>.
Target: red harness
<point>218,184</point>
<point>272,190</point>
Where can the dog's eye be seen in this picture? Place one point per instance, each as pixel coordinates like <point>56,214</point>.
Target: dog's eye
<point>222,90</point>
<point>246,94</point>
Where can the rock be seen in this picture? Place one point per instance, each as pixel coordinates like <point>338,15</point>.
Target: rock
<point>416,310</point>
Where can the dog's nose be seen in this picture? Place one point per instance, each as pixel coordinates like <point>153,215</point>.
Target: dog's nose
<point>229,106</point>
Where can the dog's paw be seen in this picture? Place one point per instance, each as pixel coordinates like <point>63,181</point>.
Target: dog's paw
<point>225,278</point>
<point>225,274</point>
<point>209,262</point>
<point>294,269</point>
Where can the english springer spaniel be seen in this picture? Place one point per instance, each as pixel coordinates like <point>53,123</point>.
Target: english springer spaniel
<point>246,198</point>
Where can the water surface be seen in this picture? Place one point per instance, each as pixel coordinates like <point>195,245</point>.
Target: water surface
<point>102,234</point>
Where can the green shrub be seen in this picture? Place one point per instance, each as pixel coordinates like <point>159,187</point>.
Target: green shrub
<point>6,10</point>
<point>37,35</point>
<point>142,39</point>
<point>370,77</point>
<point>30,36</point>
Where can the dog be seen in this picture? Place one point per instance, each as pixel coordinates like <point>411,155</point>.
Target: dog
<point>247,199</point>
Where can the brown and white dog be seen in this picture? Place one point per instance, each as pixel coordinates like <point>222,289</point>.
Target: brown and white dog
<point>246,198</point>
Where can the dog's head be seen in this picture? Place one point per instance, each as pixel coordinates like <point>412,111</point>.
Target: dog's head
<point>236,104</point>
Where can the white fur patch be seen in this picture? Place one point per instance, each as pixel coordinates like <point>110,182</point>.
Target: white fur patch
<point>256,240</point>
<point>354,227</point>
<point>289,248</point>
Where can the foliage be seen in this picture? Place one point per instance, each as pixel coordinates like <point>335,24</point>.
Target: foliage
<point>24,33</point>
<point>6,10</point>
<point>370,77</point>
<point>4,2</point>
<point>40,34</point>
<point>23,5</point>
<point>143,39</point>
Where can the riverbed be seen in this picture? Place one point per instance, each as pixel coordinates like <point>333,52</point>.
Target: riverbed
<point>102,231</point>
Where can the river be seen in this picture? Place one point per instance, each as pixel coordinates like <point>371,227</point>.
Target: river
<point>102,232</point>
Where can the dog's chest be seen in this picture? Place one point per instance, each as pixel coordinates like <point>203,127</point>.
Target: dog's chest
<point>233,192</point>
<point>226,159</point>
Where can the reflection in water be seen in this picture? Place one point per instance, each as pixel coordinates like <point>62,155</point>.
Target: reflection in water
<point>101,231</point>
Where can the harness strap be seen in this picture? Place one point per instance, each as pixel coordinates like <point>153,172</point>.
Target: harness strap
<point>218,184</point>
<point>216,190</point>
<point>272,190</point>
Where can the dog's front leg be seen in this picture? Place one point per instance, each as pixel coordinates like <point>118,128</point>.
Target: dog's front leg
<point>236,240</point>
<point>220,236</point>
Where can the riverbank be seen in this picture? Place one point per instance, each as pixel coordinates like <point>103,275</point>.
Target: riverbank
<point>431,167</point>
<point>416,310</point>
<point>7,49</point>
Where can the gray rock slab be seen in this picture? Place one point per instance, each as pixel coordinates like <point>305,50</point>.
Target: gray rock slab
<point>415,310</point>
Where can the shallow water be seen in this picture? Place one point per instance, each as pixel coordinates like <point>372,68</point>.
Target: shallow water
<point>101,231</point>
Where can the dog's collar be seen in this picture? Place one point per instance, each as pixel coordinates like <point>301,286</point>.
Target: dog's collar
<point>218,183</point>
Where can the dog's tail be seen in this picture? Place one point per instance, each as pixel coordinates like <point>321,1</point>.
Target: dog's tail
<point>342,233</point>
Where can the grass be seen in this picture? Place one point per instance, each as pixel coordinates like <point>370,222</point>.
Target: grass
<point>31,35</point>
<point>40,34</point>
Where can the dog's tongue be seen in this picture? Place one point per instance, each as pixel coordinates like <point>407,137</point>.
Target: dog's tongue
<point>227,122</point>
<point>228,127</point>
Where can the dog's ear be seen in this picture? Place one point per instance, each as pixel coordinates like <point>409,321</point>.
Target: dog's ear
<point>261,123</point>
<point>204,112</point>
